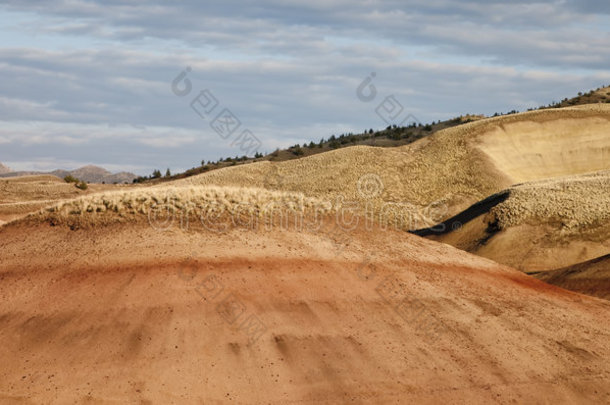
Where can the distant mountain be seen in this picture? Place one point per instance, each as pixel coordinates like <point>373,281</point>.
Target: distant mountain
<point>4,169</point>
<point>95,174</point>
<point>90,174</point>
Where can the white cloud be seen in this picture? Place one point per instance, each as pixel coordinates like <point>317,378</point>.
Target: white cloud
<point>93,78</point>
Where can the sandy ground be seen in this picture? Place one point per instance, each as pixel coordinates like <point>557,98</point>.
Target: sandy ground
<point>128,314</point>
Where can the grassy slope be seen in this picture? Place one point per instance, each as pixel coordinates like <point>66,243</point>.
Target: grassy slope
<point>390,137</point>
<point>541,225</point>
<point>21,195</point>
<point>456,166</point>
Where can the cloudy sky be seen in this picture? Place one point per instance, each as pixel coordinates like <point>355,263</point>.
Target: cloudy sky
<point>91,82</point>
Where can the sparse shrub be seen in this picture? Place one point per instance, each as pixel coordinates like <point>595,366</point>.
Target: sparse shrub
<point>70,179</point>
<point>77,183</point>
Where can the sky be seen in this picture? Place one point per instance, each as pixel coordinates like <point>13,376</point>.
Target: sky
<point>92,82</point>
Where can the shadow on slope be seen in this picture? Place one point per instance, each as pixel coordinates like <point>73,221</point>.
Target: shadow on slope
<point>535,226</point>
<point>591,277</point>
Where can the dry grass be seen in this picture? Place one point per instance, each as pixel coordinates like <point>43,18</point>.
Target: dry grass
<point>417,176</point>
<point>542,225</point>
<point>575,204</point>
<point>188,206</point>
<point>190,203</point>
<point>456,166</point>
<point>38,178</point>
<point>22,195</point>
<point>411,186</point>
<point>34,188</point>
<point>43,188</point>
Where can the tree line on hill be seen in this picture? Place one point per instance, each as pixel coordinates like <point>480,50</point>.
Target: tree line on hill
<point>392,135</point>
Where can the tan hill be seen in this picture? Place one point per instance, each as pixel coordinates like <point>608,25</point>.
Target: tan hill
<point>4,169</point>
<point>132,314</point>
<point>26,194</point>
<point>90,174</point>
<point>453,168</point>
<point>534,226</point>
<point>391,136</point>
<point>591,277</point>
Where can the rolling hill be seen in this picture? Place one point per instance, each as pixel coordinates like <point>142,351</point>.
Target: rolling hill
<point>22,195</point>
<point>90,174</point>
<point>536,226</point>
<point>452,168</point>
<point>129,313</point>
<point>272,282</point>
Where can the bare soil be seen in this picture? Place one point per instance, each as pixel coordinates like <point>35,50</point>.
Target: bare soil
<point>122,314</point>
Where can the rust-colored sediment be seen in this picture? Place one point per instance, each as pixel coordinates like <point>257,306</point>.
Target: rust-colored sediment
<point>126,314</point>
